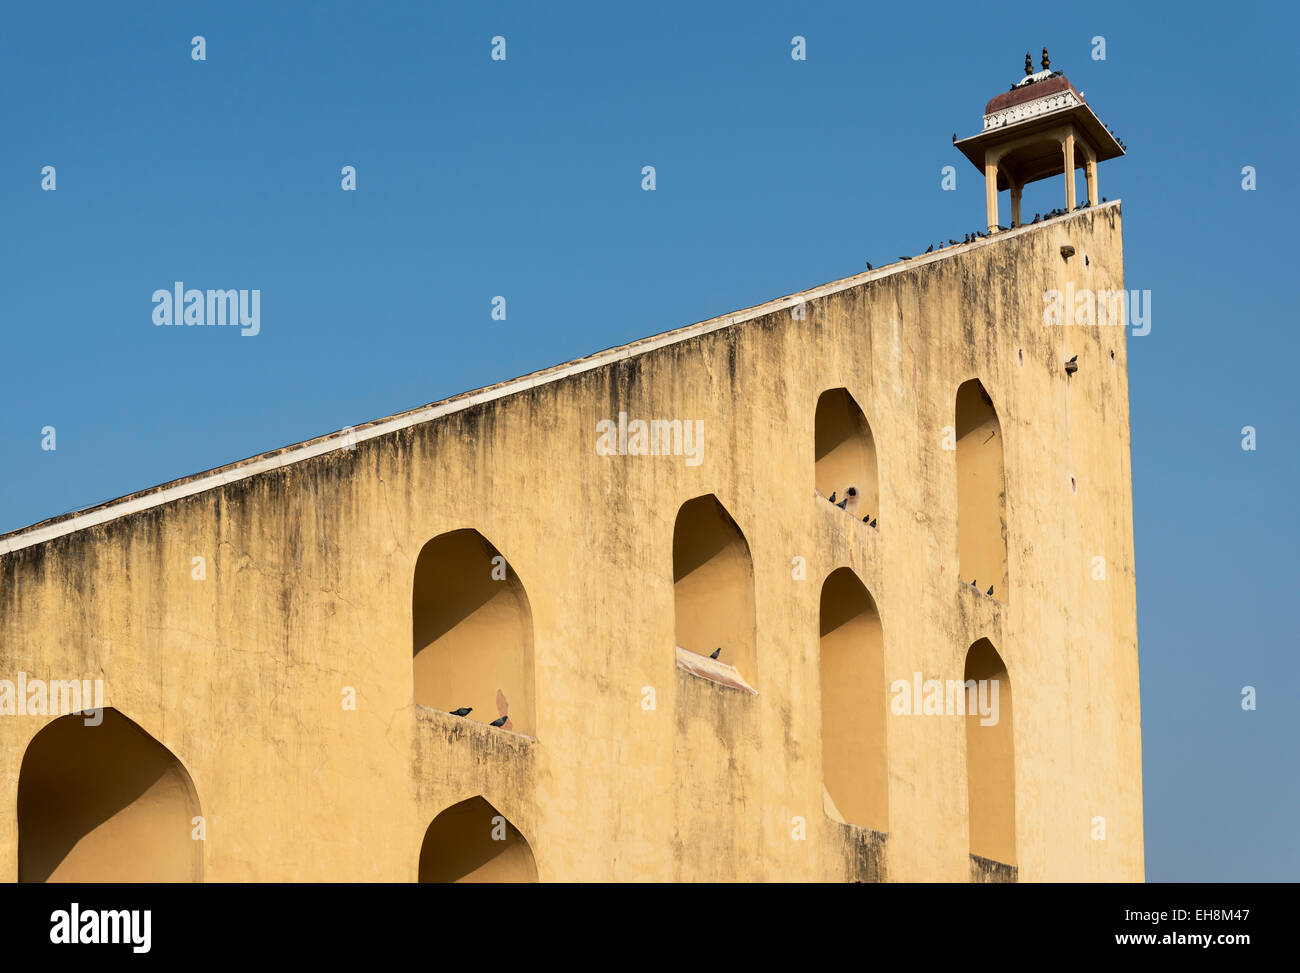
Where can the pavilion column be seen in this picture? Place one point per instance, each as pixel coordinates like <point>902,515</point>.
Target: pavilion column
<point>1091,171</point>
<point>991,191</point>
<point>1069,172</point>
<point>1015,203</point>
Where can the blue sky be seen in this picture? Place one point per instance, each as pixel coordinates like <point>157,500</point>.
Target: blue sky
<point>522,178</point>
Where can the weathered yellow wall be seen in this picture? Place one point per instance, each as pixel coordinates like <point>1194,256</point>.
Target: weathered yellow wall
<point>311,566</point>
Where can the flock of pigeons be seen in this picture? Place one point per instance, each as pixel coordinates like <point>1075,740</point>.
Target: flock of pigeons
<point>977,588</point>
<point>851,500</point>
<point>466,710</point>
<point>981,235</point>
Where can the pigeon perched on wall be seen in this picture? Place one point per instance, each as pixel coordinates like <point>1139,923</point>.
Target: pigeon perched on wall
<point>463,711</point>
<point>873,523</point>
<point>500,722</point>
<point>990,591</point>
<point>716,652</point>
<point>832,496</point>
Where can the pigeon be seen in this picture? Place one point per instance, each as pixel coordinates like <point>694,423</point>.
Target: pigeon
<point>869,267</point>
<point>952,243</point>
<point>500,722</point>
<point>954,138</point>
<point>850,500</point>
<point>967,240</point>
<point>930,248</point>
<point>843,503</point>
<point>974,585</point>
<point>463,711</point>
<point>832,496</point>
<point>1073,360</point>
<point>873,523</point>
<point>867,520</point>
<point>990,591</point>
<point>716,652</point>
<point>904,258</point>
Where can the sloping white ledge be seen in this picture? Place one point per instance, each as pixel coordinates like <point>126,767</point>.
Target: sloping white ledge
<point>712,670</point>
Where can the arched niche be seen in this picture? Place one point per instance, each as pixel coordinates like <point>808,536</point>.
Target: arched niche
<point>472,631</point>
<point>981,491</point>
<point>990,755</point>
<point>713,586</point>
<point>473,842</point>
<point>845,453</point>
<point>105,803</point>
<point>855,766</point>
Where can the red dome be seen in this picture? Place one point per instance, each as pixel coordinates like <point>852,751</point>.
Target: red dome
<point>1029,92</point>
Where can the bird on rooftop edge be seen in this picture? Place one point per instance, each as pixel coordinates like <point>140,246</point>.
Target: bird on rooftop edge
<point>500,722</point>
<point>463,711</point>
<point>716,652</point>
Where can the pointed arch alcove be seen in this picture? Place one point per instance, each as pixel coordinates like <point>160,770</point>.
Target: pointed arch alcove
<point>474,842</point>
<point>105,803</point>
<point>981,491</point>
<point>845,453</point>
<point>855,769</point>
<point>472,631</point>
<point>990,756</point>
<point>713,586</point>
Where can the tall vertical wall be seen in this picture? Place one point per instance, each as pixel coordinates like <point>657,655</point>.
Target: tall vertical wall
<point>310,567</point>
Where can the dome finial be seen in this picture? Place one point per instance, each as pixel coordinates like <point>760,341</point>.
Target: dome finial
<point>1047,61</point>
<point>1029,64</point>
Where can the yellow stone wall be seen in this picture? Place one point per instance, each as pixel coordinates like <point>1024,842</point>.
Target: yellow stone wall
<point>310,573</point>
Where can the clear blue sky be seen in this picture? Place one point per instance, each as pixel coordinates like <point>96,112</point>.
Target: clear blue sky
<point>522,179</point>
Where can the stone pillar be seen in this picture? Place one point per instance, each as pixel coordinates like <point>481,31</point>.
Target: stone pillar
<point>1069,172</point>
<point>1015,203</point>
<point>1091,170</point>
<point>991,191</point>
